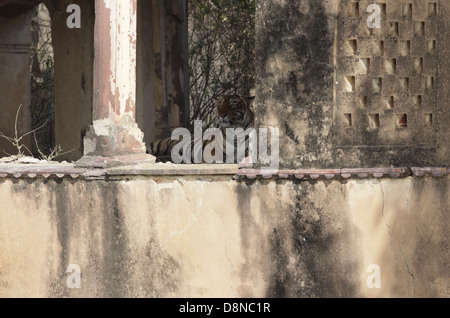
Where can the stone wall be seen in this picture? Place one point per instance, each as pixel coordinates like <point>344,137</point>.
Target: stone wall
<point>339,90</point>
<point>213,236</point>
<point>338,93</point>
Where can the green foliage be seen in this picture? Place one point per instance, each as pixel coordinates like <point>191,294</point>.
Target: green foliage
<point>221,52</point>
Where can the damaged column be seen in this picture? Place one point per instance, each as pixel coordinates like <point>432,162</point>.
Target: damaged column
<point>114,132</point>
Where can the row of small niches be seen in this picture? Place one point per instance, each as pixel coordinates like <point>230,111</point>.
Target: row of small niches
<point>401,120</point>
<point>389,102</point>
<point>355,10</point>
<point>401,29</point>
<point>377,84</point>
<point>377,47</point>
<point>390,65</point>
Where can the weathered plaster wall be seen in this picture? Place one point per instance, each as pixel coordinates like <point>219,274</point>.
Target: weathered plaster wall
<point>164,237</point>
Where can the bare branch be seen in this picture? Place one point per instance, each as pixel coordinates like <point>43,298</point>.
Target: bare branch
<point>34,130</point>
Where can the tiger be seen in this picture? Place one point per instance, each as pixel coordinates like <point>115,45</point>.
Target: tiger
<point>232,111</point>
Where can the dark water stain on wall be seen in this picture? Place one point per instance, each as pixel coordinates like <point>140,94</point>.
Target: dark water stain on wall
<point>303,43</point>
<point>117,268</point>
<point>161,273</point>
<point>308,244</point>
<point>248,228</point>
<point>115,242</point>
<point>68,214</point>
<point>61,216</point>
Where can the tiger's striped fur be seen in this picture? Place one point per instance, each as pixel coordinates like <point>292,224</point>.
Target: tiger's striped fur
<point>233,111</point>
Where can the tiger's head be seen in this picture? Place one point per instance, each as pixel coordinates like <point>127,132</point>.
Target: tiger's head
<point>234,111</point>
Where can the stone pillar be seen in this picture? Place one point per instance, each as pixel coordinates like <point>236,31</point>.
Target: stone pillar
<point>148,94</point>
<point>174,61</point>
<point>73,88</point>
<point>114,131</point>
<point>162,75</point>
<point>15,42</point>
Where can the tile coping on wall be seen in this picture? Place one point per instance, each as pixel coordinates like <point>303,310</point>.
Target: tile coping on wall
<point>69,170</point>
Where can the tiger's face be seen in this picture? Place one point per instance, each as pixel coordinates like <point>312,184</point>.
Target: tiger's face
<point>234,111</point>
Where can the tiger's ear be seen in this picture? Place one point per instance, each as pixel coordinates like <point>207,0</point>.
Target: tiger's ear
<point>219,101</point>
<point>250,104</point>
<point>250,100</point>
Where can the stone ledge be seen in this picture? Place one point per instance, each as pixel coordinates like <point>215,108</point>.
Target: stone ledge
<point>54,170</point>
<point>329,174</point>
<point>92,162</point>
<point>170,169</point>
<point>70,170</point>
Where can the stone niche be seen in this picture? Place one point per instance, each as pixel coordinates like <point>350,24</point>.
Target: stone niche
<point>346,95</point>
